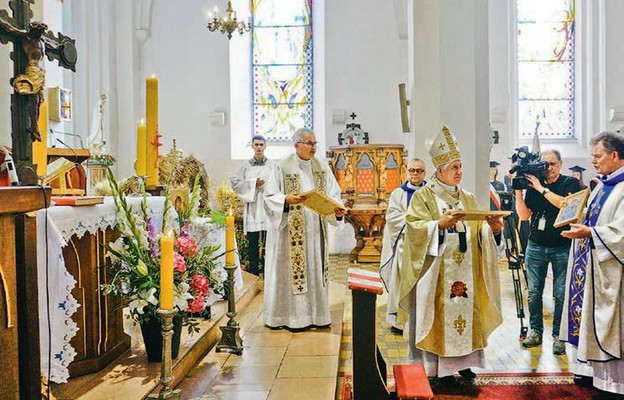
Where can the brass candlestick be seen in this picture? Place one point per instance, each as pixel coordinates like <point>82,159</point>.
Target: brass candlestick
<point>166,367</point>
<point>230,337</point>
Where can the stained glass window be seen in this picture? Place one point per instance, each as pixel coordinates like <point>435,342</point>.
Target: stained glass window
<point>281,67</point>
<point>545,34</point>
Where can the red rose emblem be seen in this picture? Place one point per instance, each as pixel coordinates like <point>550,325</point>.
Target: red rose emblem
<point>459,289</point>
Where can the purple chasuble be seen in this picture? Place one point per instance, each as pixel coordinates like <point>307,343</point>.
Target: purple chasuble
<point>582,256</point>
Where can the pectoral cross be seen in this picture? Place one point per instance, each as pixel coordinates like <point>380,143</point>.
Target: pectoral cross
<point>31,40</point>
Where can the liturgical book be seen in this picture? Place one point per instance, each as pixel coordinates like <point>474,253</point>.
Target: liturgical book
<point>320,202</point>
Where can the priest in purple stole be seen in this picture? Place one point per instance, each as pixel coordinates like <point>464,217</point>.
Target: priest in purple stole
<point>592,321</point>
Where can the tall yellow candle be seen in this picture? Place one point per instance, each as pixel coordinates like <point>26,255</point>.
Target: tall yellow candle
<point>141,149</point>
<point>151,116</point>
<point>229,240</point>
<point>166,272</point>
<point>40,148</point>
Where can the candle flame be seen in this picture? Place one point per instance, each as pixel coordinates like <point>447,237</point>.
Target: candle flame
<point>230,213</point>
<point>153,76</point>
<point>169,233</point>
<point>142,122</point>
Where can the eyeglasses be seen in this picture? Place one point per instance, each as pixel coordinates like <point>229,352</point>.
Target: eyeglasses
<point>416,171</point>
<point>309,143</point>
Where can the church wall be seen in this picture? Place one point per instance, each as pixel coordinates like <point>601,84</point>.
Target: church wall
<point>366,58</point>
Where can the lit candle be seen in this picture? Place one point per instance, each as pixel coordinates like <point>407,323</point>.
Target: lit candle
<point>40,148</point>
<point>166,272</point>
<point>229,240</point>
<point>141,149</point>
<point>151,116</point>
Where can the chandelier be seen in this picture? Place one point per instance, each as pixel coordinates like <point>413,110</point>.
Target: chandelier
<point>229,23</point>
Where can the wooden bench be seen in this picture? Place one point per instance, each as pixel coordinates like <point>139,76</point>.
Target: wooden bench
<point>411,382</point>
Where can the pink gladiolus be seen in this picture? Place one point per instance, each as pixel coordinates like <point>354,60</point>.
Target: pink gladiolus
<point>196,305</point>
<point>200,284</point>
<point>187,246</point>
<point>178,263</point>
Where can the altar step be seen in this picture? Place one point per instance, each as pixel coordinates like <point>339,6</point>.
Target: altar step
<point>131,376</point>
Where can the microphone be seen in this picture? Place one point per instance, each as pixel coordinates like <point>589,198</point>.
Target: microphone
<point>70,148</point>
<point>52,131</point>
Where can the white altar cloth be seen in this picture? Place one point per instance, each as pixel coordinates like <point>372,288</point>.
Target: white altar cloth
<point>56,326</point>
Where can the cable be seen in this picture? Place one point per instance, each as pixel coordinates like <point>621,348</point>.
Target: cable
<point>47,280</point>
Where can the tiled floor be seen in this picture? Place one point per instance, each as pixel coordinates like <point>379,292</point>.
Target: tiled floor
<point>278,364</point>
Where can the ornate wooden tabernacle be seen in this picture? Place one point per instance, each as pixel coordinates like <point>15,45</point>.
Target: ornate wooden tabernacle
<point>367,174</point>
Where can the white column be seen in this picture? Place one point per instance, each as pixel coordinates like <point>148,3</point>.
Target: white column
<point>449,76</point>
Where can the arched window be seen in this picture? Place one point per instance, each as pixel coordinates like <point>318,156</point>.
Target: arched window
<point>282,68</point>
<point>546,68</point>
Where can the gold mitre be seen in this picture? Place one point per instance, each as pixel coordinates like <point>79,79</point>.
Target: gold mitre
<point>444,148</point>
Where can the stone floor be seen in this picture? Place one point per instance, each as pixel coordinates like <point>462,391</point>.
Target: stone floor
<point>310,365</point>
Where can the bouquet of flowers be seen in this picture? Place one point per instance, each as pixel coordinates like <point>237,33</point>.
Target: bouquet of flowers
<point>135,259</point>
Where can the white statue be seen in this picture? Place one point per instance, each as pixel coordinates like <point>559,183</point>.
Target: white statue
<point>95,142</point>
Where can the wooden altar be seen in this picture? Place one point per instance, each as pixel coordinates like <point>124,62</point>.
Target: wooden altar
<point>101,337</point>
<point>20,374</point>
<point>367,174</point>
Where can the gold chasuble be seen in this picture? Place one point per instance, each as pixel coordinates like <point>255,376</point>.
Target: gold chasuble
<point>456,293</point>
<point>296,224</point>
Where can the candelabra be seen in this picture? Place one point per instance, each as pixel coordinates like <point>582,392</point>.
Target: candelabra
<point>229,24</point>
<point>166,370</point>
<point>230,337</point>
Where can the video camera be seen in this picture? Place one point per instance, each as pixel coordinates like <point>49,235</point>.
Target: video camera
<point>526,163</point>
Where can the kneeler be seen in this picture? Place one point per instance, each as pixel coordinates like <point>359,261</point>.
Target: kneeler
<point>369,367</point>
<point>411,382</point>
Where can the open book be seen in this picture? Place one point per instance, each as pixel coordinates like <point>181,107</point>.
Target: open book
<point>57,168</point>
<point>320,202</point>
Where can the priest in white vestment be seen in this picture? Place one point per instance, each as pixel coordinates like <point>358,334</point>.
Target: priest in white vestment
<point>392,241</point>
<point>449,277</point>
<point>593,313</point>
<point>248,184</point>
<point>296,292</point>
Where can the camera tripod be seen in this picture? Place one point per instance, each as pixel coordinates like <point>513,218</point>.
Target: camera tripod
<point>514,249</point>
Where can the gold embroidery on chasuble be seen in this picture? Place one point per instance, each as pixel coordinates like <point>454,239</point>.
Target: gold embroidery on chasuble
<point>458,256</point>
<point>297,230</point>
<point>459,324</point>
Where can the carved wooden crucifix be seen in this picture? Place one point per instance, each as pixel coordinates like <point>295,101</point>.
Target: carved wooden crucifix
<point>31,40</point>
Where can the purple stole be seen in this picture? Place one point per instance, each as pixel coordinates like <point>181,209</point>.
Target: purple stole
<point>582,257</point>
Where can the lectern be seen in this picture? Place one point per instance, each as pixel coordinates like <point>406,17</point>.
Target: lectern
<point>20,375</point>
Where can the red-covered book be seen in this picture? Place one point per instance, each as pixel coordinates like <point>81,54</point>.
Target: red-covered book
<point>77,200</point>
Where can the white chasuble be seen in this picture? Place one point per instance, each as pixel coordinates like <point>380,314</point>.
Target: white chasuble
<point>295,287</point>
<point>452,296</point>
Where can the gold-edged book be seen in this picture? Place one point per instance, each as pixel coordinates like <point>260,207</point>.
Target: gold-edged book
<point>478,215</point>
<point>77,200</point>
<point>320,202</point>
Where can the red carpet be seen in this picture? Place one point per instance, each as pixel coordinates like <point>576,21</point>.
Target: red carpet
<point>511,386</point>
<point>528,386</point>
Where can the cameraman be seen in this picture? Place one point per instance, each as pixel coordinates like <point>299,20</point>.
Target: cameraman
<point>541,204</point>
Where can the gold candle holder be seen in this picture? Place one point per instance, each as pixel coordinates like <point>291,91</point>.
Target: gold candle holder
<point>230,333</point>
<point>166,366</point>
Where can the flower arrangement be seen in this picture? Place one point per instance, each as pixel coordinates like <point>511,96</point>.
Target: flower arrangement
<point>101,159</point>
<point>135,259</point>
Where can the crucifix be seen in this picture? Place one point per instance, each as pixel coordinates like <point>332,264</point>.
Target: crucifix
<point>31,40</point>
